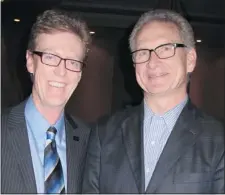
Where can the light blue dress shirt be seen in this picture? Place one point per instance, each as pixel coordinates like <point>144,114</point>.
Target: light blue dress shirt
<point>37,126</point>
<point>157,129</point>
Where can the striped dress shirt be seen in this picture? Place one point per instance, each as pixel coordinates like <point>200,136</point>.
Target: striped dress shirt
<point>157,129</point>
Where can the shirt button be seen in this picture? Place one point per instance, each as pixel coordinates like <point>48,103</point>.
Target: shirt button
<point>152,143</point>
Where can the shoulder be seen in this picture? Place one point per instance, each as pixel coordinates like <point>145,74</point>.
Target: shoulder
<point>110,126</point>
<point>117,118</point>
<point>4,120</point>
<point>14,110</point>
<point>12,114</point>
<point>11,117</point>
<point>5,113</point>
<point>198,118</point>
<point>212,127</point>
<point>209,129</point>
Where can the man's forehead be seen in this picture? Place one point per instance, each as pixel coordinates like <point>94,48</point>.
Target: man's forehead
<point>158,30</point>
<point>159,25</point>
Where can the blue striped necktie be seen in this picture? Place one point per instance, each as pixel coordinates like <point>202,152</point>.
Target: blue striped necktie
<point>54,182</point>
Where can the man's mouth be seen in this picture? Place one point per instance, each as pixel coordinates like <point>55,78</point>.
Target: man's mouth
<point>57,84</point>
<point>157,75</point>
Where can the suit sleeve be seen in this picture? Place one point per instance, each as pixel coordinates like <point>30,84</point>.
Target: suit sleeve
<point>92,166</point>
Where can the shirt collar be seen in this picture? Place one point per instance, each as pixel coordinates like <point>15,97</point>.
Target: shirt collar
<point>170,117</point>
<point>38,124</point>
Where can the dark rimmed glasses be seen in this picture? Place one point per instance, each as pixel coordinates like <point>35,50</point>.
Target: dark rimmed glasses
<point>164,51</point>
<point>54,60</point>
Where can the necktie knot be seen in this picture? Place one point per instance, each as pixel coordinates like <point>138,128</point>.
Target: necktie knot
<point>51,133</point>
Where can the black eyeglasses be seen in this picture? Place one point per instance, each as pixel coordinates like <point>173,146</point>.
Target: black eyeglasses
<point>162,51</point>
<point>54,60</point>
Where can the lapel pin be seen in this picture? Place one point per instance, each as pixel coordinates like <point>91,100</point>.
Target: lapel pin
<point>75,138</point>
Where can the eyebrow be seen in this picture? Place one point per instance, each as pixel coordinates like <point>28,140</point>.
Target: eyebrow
<point>49,51</point>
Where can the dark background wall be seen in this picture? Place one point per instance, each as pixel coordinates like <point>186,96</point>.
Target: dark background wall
<point>207,82</point>
<point>108,81</point>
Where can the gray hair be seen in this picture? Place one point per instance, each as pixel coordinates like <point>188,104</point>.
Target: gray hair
<point>184,27</point>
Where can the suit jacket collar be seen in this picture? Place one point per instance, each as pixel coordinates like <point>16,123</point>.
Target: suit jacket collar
<point>75,144</point>
<point>131,129</point>
<point>183,136</point>
<point>18,136</point>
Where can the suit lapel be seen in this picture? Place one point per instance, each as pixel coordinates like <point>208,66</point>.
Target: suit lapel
<point>75,154</point>
<point>20,145</point>
<point>182,137</point>
<point>131,130</point>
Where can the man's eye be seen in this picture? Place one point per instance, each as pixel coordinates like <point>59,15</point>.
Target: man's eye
<point>48,56</point>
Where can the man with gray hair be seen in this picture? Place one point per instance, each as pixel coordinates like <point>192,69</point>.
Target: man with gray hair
<point>166,144</point>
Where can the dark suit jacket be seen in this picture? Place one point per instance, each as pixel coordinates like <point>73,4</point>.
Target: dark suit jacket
<point>192,160</point>
<point>17,172</point>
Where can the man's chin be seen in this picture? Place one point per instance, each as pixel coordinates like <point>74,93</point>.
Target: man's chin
<point>56,103</point>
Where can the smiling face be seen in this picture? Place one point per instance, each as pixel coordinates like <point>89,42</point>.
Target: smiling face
<point>162,76</point>
<point>53,86</point>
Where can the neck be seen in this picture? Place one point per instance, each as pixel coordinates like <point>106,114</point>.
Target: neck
<point>51,114</point>
<point>160,104</point>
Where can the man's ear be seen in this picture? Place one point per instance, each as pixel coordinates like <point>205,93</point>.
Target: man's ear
<point>30,62</point>
<point>191,60</point>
